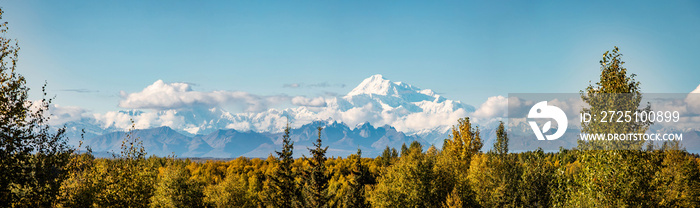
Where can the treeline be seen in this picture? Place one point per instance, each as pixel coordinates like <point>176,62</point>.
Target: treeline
<point>459,175</point>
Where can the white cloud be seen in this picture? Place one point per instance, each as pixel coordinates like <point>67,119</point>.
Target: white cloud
<point>496,106</point>
<point>142,120</point>
<point>492,111</point>
<point>168,104</point>
<point>63,114</point>
<point>163,96</point>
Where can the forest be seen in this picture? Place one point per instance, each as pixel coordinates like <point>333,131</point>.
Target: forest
<point>39,169</point>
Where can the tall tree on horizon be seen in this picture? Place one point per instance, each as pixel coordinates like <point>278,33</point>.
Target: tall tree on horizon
<point>285,191</point>
<point>501,145</point>
<point>316,188</point>
<point>617,90</point>
<point>613,173</point>
<point>355,197</point>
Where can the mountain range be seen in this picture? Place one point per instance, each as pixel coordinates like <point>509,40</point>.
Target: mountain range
<point>375,114</point>
<point>227,143</point>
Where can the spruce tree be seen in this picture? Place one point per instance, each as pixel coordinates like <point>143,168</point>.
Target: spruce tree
<point>316,188</point>
<point>355,196</point>
<point>404,150</point>
<point>285,191</point>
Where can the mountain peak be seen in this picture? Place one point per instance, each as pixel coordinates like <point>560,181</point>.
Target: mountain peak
<point>376,84</point>
<point>379,85</point>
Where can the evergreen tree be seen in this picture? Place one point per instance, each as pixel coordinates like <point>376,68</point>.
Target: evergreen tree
<point>501,145</point>
<point>386,158</point>
<point>285,191</point>
<point>404,150</point>
<point>505,173</point>
<point>415,146</point>
<point>355,196</point>
<point>316,188</point>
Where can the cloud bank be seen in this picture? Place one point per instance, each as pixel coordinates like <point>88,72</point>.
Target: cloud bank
<point>178,106</point>
<point>164,96</point>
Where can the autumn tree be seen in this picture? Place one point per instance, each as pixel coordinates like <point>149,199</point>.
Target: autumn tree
<point>456,156</point>
<point>677,183</point>
<point>175,188</point>
<point>127,180</point>
<point>506,171</point>
<point>80,188</point>
<point>232,192</point>
<point>412,182</point>
<point>536,180</point>
<point>618,92</point>
<point>612,173</point>
<point>32,157</point>
<point>465,141</point>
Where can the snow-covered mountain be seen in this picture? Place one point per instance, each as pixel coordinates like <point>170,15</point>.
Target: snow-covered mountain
<point>375,100</point>
<point>397,108</point>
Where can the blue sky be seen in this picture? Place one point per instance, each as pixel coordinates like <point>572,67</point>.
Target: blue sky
<point>89,51</point>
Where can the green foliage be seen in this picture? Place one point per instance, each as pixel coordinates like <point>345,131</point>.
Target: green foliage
<point>677,183</point>
<point>284,191</point>
<point>536,179</point>
<point>359,177</point>
<point>80,188</point>
<point>611,173</point>
<point>176,189</point>
<point>501,146</point>
<point>32,158</point>
<point>412,182</point>
<point>128,180</point>
<point>232,192</point>
<point>616,91</point>
<point>501,175</point>
<point>465,142</point>
<point>389,156</point>
<point>316,186</point>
